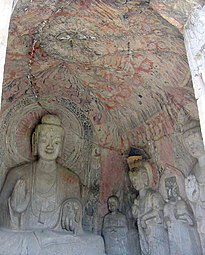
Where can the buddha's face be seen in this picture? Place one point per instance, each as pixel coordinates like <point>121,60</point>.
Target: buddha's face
<point>49,142</point>
<point>113,204</point>
<point>139,179</point>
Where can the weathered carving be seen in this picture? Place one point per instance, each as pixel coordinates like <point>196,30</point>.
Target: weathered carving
<point>195,182</point>
<point>33,194</point>
<point>183,236</point>
<point>148,209</point>
<point>43,198</point>
<point>78,150</point>
<point>72,216</point>
<point>115,229</point>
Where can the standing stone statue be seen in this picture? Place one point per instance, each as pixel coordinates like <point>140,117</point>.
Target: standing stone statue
<point>40,208</point>
<point>115,229</point>
<point>179,222</point>
<point>195,182</point>
<point>148,210</point>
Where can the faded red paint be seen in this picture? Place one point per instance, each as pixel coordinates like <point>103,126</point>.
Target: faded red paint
<point>166,151</point>
<point>112,175</point>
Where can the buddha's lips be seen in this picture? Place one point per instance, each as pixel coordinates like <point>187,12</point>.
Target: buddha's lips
<point>49,151</point>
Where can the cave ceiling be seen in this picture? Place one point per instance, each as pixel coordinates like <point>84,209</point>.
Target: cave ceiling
<point>121,61</point>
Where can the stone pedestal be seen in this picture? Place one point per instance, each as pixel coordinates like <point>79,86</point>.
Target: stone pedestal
<point>48,242</point>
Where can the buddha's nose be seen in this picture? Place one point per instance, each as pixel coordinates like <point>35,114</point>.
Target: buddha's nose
<point>49,145</point>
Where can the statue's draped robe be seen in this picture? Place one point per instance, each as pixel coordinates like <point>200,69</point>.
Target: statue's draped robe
<point>43,210</point>
<point>183,238</point>
<point>115,232</point>
<point>153,238</point>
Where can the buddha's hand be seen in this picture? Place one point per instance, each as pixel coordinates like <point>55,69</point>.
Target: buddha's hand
<point>20,197</point>
<point>143,223</point>
<point>135,208</point>
<point>67,217</point>
<point>192,188</point>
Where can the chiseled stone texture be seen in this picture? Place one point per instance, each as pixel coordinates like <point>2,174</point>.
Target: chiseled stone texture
<point>176,11</point>
<point>116,69</point>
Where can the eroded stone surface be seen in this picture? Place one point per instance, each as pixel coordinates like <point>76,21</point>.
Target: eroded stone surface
<point>116,73</point>
<point>115,229</point>
<point>179,218</point>
<point>148,210</point>
<point>176,12</point>
<point>41,201</point>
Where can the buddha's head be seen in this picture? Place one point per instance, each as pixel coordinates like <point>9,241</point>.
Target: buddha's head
<point>113,203</point>
<point>139,178</point>
<point>193,142</point>
<point>48,137</point>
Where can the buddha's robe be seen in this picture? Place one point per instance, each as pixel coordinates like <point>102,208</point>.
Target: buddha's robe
<point>44,209</point>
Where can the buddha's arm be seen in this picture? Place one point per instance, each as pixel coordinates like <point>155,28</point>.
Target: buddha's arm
<point>9,183</point>
<point>155,211</point>
<point>20,197</point>
<point>147,216</point>
<point>186,218</point>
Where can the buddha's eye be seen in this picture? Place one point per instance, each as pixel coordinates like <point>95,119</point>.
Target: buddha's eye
<point>43,140</point>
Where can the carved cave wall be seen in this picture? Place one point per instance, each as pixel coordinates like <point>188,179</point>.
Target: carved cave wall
<point>116,74</point>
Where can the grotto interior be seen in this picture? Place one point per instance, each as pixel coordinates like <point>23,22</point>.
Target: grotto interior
<point>101,148</point>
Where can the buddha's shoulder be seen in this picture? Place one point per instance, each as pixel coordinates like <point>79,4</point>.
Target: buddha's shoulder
<point>67,173</point>
<point>21,169</point>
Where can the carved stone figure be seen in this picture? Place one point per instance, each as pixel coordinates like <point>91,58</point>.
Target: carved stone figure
<point>195,182</point>
<point>115,229</point>
<point>183,236</point>
<point>33,194</point>
<point>148,210</point>
<point>41,202</point>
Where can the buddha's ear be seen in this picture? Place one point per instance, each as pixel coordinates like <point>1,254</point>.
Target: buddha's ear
<point>62,144</point>
<point>61,149</point>
<point>145,179</point>
<point>60,152</point>
<point>34,144</point>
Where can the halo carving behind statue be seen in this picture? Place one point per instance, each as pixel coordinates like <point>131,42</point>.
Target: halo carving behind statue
<point>20,121</point>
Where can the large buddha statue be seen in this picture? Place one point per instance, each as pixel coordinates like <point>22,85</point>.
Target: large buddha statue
<point>40,202</point>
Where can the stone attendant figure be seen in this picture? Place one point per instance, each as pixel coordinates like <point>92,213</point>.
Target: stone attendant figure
<point>115,229</point>
<point>148,210</point>
<point>35,201</point>
<point>182,232</point>
<point>195,182</point>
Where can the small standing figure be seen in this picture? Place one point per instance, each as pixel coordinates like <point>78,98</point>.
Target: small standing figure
<point>148,210</point>
<point>182,232</point>
<point>115,229</point>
